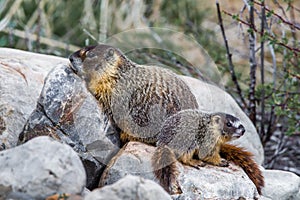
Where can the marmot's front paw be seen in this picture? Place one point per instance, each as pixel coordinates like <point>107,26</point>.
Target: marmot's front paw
<point>196,163</point>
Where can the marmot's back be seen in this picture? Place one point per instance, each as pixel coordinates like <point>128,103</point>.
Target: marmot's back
<point>145,96</point>
<point>138,98</point>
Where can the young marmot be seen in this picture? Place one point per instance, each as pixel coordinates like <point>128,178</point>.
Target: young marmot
<point>139,99</point>
<point>195,138</point>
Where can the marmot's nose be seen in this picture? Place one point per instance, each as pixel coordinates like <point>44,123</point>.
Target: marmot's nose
<point>76,61</point>
<point>71,59</point>
<point>242,129</point>
<point>80,54</point>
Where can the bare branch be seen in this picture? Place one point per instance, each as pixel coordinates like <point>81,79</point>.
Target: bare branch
<point>293,31</point>
<point>38,28</point>
<point>90,35</point>
<point>262,75</point>
<point>103,20</point>
<point>291,24</point>
<point>253,65</point>
<point>273,117</point>
<point>280,7</point>
<point>13,9</point>
<point>43,40</point>
<point>295,51</point>
<point>229,57</point>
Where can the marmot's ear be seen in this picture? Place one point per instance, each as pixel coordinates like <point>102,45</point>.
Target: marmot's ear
<point>216,119</point>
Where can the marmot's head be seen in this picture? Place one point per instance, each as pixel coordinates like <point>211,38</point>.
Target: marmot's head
<point>100,67</point>
<point>95,61</point>
<point>230,126</point>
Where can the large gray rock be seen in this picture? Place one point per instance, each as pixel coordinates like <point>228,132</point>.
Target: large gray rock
<point>67,112</point>
<point>130,187</point>
<point>41,167</point>
<point>213,99</point>
<point>22,76</point>
<point>209,182</point>
<point>281,185</point>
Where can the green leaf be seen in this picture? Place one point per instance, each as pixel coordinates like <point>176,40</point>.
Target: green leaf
<point>285,40</point>
<point>269,13</point>
<point>235,16</point>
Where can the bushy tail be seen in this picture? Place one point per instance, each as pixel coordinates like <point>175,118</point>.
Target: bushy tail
<point>164,165</point>
<point>244,159</point>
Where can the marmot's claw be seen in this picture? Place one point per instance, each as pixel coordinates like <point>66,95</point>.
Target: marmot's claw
<point>202,164</point>
<point>224,163</point>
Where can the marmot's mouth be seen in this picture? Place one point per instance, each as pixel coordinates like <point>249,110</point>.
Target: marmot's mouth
<point>78,57</point>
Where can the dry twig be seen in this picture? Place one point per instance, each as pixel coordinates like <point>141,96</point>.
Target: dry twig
<point>43,40</point>
<point>229,57</point>
<point>291,24</point>
<point>295,51</point>
<point>103,20</point>
<point>262,75</point>
<point>253,65</point>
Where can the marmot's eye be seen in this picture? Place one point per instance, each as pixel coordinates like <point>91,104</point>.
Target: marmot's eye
<point>228,124</point>
<point>90,54</point>
<point>110,52</point>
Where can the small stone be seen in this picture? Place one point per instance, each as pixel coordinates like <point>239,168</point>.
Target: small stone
<point>40,168</point>
<point>281,185</point>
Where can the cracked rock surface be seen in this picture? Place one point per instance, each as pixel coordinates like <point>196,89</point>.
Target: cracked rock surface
<point>67,112</point>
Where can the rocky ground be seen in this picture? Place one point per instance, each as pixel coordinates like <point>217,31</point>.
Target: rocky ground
<point>40,95</point>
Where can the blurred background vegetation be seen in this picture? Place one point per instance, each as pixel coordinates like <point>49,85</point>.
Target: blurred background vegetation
<point>270,96</point>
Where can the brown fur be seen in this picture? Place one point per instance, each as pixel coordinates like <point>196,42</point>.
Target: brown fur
<point>125,137</point>
<point>164,165</point>
<point>244,159</point>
